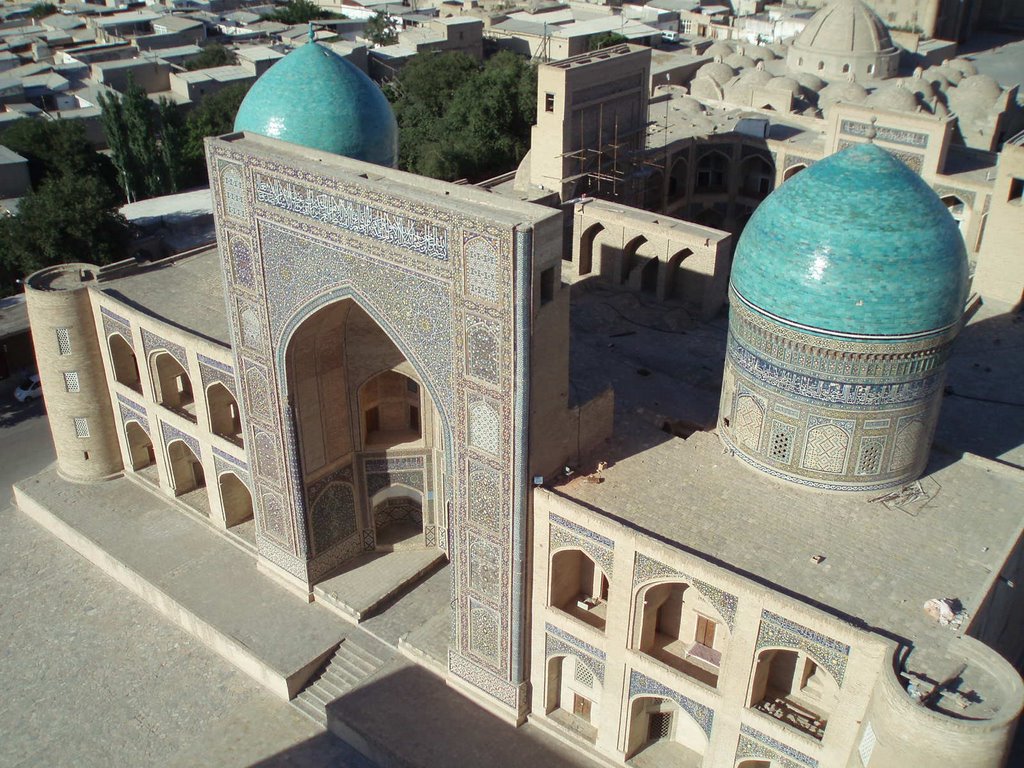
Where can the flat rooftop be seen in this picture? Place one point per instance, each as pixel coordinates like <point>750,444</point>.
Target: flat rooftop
<point>884,555</point>
<point>184,291</point>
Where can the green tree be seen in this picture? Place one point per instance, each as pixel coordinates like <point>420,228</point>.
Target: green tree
<point>213,116</point>
<point>457,119</point>
<point>67,218</point>
<point>300,12</point>
<point>56,147</point>
<point>42,10</point>
<point>145,139</point>
<point>212,55</point>
<point>606,40</point>
<point>382,29</point>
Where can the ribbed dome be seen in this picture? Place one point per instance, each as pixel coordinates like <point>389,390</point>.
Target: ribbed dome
<point>315,98</point>
<point>857,245</point>
<point>845,26</point>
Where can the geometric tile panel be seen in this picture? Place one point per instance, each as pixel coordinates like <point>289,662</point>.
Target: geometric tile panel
<point>779,632</point>
<point>558,642</point>
<point>151,342</point>
<point>648,569</point>
<point>755,744</point>
<point>641,685</point>
<point>170,434</point>
<point>566,534</point>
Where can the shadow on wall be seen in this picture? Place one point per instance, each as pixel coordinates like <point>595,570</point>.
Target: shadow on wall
<point>412,717</point>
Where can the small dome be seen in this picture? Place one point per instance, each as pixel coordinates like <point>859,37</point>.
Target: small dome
<point>718,71</point>
<point>893,97</point>
<point>785,84</point>
<point>845,26</point>
<point>315,98</point>
<point>809,81</point>
<point>953,76</point>
<point>756,77</point>
<point>689,106</point>
<point>965,67</point>
<point>857,244</point>
<point>981,88</point>
<point>762,52</point>
<point>721,48</point>
<point>848,93</point>
<point>738,61</point>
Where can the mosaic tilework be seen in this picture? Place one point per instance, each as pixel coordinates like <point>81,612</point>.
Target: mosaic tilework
<point>565,534</point>
<point>755,744</point>
<point>332,515</point>
<point>779,632</point>
<point>967,195</point>
<point>483,349</point>
<point>242,268</point>
<point>170,434</point>
<point>484,426</point>
<point>646,569</point>
<point>211,371</point>
<point>481,271</point>
<point>224,467</point>
<point>559,642</point>
<point>484,496</point>
<point>114,323</point>
<point>882,133</point>
<point>132,411</point>
<point>233,187</point>
<point>407,233</point>
<point>642,685</point>
<point>484,631</point>
<point>869,462</point>
<point>485,568</point>
<point>826,447</point>
<point>151,343</point>
<point>512,696</point>
<point>244,466</point>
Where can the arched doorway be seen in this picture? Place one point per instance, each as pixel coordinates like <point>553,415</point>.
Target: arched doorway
<point>140,447</point>
<point>712,172</point>
<point>186,469</point>
<point>235,499</point>
<point>573,695</point>
<point>364,419</point>
<point>224,418</point>
<point>758,177</point>
<point>586,264</point>
<point>122,360</point>
<point>173,385</point>
<point>629,258</point>
<point>579,586</point>
<point>793,688</point>
<point>659,727</point>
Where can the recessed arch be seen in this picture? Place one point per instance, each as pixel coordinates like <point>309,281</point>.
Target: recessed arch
<point>140,447</point>
<point>757,177</point>
<point>235,499</point>
<point>629,257</point>
<point>573,694</point>
<point>713,172</point>
<point>173,384</point>
<point>586,261</point>
<point>186,469</point>
<point>390,408</point>
<point>795,688</point>
<point>123,362</point>
<point>664,730</point>
<point>222,407</point>
<point>578,586</point>
<point>677,179</point>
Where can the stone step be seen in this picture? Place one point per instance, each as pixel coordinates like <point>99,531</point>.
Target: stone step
<point>332,687</point>
<point>319,695</point>
<point>350,649</point>
<point>343,680</point>
<point>315,713</point>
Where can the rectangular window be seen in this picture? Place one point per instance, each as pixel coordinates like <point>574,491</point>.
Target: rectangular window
<point>71,381</point>
<point>547,285</point>
<point>64,341</point>
<point>549,102</point>
<point>81,426</point>
<point>659,726</point>
<point>705,634</point>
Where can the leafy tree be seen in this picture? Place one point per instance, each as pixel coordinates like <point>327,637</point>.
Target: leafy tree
<point>382,29</point>
<point>457,119</point>
<point>213,116</point>
<point>212,55</point>
<point>300,12</point>
<point>68,218</point>
<point>56,147</point>
<point>145,139</point>
<point>606,40</point>
<point>42,10</point>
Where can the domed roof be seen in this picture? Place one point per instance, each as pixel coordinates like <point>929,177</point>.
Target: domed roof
<point>847,92</point>
<point>315,98</point>
<point>981,87</point>
<point>845,26</point>
<point>738,61</point>
<point>786,83</point>
<point>809,81</point>
<point>756,77</point>
<point>895,97</point>
<point>857,245</point>
<point>721,48</point>
<point>718,71</point>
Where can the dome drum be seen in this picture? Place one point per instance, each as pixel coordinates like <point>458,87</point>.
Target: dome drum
<point>832,414</point>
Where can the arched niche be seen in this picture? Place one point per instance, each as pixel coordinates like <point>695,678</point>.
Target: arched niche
<point>573,695</point>
<point>186,469</point>
<point>757,177</point>
<point>792,687</point>
<point>667,734</point>
<point>140,447</point>
<point>123,362</point>
<point>579,586</point>
<point>173,385</point>
<point>587,239</point>
<point>712,172</point>
<point>235,499</point>
<point>225,420</point>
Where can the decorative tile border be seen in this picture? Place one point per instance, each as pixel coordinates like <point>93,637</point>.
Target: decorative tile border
<point>231,459</point>
<point>755,744</point>
<point>132,411</point>
<point>648,569</point>
<point>151,342</point>
<point>170,434</point>
<point>558,641</point>
<point>566,534</point>
<point>642,685</point>
<point>779,632</point>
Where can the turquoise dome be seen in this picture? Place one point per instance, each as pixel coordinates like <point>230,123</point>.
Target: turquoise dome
<point>855,245</point>
<point>315,98</point>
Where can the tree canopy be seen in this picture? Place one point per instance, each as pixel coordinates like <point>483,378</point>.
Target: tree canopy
<point>606,40</point>
<point>213,116</point>
<point>42,10</point>
<point>145,140</point>
<point>300,12</point>
<point>382,29</point>
<point>457,119</point>
<point>56,147</point>
<point>212,55</point>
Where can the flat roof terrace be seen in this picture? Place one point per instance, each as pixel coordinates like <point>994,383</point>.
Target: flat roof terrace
<point>186,291</point>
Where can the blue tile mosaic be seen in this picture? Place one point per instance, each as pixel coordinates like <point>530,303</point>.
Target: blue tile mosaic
<point>753,743</point>
<point>642,685</point>
<point>779,632</point>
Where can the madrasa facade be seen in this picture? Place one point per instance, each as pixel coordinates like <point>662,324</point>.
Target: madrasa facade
<point>373,362</point>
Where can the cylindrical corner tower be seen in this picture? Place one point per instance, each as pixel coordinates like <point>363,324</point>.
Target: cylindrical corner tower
<point>847,290</point>
<point>71,371</point>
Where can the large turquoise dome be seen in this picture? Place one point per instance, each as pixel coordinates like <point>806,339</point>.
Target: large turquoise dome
<point>856,245</point>
<point>315,98</point>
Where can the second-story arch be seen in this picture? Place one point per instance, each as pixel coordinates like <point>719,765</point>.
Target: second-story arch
<point>578,586</point>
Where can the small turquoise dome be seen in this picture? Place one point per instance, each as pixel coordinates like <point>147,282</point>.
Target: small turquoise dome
<point>857,245</point>
<point>315,98</point>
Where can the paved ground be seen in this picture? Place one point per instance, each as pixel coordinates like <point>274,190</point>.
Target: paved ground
<point>91,676</point>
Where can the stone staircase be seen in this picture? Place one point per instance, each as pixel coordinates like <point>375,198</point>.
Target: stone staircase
<point>350,665</point>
